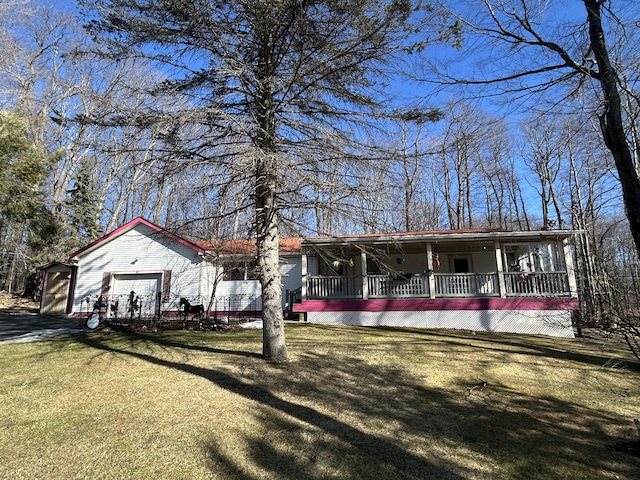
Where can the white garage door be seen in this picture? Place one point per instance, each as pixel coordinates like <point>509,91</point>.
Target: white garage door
<point>145,287</point>
<point>141,283</point>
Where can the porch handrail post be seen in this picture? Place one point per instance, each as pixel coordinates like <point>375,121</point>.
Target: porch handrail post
<point>303,267</point>
<point>365,275</point>
<point>571,273</point>
<point>502,286</point>
<point>430,274</point>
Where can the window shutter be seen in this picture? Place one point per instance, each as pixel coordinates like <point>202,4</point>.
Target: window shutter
<point>106,283</point>
<point>166,286</point>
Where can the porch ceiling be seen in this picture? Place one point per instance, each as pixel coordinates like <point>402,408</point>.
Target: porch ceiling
<point>454,240</point>
<point>410,248</point>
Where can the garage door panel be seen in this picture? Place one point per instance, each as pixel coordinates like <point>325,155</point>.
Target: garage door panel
<point>145,288</point>
<point>140,284</point>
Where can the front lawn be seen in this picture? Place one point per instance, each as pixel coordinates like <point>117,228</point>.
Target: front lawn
<point>355,403</point>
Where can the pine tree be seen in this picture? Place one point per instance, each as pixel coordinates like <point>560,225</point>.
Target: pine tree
<point>24,166</point>
<point>266,89</point>
<point>23,213</point>
<point>81,207</point>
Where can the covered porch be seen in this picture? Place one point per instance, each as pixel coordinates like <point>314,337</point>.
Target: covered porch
<point>457,264</point>
<point>478,280</point>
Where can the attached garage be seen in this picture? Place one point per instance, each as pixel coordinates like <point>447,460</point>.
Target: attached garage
<point>141,270</point>
<point>138,270</point>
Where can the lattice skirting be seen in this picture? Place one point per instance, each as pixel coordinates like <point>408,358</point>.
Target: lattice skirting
<point>555,323</point>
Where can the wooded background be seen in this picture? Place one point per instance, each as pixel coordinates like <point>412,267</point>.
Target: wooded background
<point>459,139</point>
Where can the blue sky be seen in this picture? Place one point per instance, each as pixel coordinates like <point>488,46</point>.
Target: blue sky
<point>466,61</point>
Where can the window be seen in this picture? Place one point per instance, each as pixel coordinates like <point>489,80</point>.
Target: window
<point>234,273</point>
<point>241,271</point>
<point>535,257</point>
<point>517,257</point>
<point>332,270</point>
<point>373,267</point>
<point>546,257</point>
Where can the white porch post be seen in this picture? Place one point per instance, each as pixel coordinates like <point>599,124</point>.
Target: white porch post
<point>571,273</point>
<point>500,269</point>
<point>364,273</point>
<point>431,275</point>
<point>303,287</point>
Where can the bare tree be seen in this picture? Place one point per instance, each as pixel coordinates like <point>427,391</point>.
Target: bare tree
<point>46,76</point>
<point>542,149</point>
<point>530,50</point>
<point>413,169</point>
<point>499,178</point>
<point>461,151</point>
<point>266,78</point>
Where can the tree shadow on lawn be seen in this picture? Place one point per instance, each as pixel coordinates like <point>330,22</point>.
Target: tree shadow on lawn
<point>149,342</point>
<point>548,347</point>
<point>334,416</point>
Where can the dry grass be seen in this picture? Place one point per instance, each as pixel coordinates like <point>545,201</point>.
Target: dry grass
<point>355,403</point>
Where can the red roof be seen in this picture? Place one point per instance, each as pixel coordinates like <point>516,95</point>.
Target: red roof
<point>227,247</point>
<point>247,247</point>
<point>287,245</point>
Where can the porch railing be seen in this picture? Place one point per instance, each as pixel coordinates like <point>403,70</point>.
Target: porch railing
<point>466,284</point>
<point>381,286</point>
<point>517,284</point>
<point>333,287</point>
<point>536,284</point>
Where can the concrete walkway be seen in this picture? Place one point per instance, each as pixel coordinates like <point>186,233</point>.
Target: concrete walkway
<point>29,327</point>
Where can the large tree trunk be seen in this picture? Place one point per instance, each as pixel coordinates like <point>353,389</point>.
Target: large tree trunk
<point>273,339</point>
<point>611,121</point>
<point>274,347</point>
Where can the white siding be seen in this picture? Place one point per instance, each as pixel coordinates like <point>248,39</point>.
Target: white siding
<point>291,275</point>
<point>140,250</point>
<point>291,271</point>
<point>146,253</point>
<point>484,262</point>
<point>248,288</point>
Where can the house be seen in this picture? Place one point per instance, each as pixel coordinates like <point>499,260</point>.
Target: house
<point>141,270</point>
<point>478,279</point>
<point>475,279</point>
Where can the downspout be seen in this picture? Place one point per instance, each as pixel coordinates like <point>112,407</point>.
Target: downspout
<point>571,272</point>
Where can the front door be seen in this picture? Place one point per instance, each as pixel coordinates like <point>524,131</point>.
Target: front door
<point>461,265</point>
